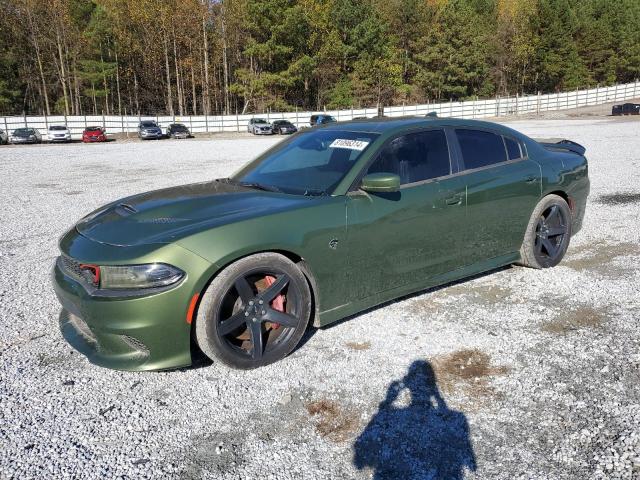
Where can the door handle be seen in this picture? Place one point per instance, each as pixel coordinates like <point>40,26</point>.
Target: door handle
<point>454,200</point>
<point>531,179</point>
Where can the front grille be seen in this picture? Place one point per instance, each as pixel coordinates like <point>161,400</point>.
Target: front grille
<point>71,267</point>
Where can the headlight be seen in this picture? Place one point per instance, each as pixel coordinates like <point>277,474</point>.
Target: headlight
<point>139,276</point>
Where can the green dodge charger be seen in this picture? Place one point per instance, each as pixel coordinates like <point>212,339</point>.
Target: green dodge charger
<point>325,224</point>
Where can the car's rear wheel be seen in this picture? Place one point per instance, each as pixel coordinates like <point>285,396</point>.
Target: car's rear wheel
<point>254,312</point>
<point>548,233</point>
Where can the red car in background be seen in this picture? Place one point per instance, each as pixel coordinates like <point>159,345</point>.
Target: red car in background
<point>94,134</point>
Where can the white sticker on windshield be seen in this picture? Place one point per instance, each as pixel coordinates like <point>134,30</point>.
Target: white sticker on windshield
<point>350,144</point>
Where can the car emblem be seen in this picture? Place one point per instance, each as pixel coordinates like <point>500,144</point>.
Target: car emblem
<point>333,243</point>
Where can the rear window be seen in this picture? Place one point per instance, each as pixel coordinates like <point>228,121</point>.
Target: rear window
<point>480,148</point>
<point>513,148</point>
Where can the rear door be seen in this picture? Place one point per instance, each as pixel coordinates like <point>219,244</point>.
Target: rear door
<point>503,187</point>
<point>405,237</point>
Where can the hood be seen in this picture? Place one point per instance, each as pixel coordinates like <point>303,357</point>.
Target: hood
<point>167,215</point>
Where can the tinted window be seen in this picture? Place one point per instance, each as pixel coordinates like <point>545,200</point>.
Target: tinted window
<point>415,157</point>
<point>513,148</point>
<point>480,149</point>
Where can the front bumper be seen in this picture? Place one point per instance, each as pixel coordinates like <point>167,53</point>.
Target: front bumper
<point>94,139</point>
<point>134,333</point>
<point>263,132</point>
<point>59,139</point>
<point>19,140</point>
<point>146,136</point>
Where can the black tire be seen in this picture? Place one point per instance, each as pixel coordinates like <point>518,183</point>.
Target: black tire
<point>548,234</point>
<point>238,307</point>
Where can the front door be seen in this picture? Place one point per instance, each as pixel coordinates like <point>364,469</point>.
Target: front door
<point>402,238</point>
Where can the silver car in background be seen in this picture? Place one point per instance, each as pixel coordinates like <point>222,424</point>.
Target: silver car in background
<point>259,126</point>
<point>148,129</point>
<point>25,135</point>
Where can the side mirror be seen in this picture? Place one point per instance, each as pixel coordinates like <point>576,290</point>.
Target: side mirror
<point>381,182</point>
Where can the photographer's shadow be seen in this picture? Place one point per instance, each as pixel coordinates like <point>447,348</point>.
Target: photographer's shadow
<point>421,440</point>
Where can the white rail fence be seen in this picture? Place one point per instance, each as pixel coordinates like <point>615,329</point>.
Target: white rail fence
<point>494,107</point>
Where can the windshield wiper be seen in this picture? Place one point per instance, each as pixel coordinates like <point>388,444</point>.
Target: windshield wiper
<point>256,185</point>
<point>310,192</point>
<point>260,186</point>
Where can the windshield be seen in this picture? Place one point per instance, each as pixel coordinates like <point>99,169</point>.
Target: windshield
<point>148,124</point>
<point>23,131</point>
<point>179,128</point>
<point>93,129</point>
<point>57,127</point>
<point>259,120</point>
<point>311,163</point>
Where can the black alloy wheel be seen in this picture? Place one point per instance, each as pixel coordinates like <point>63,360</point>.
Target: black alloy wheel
<point>548,233</point>
<point>551,231</point>
<point>254,312</point>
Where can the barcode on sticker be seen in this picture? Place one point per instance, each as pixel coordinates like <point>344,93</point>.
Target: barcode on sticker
<point>350,144</point>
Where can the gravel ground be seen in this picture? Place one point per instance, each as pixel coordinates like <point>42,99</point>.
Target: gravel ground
<point>515,374</point>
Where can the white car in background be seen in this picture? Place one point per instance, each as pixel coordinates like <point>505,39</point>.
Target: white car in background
<point>58,133</point>
<point>259,126</point>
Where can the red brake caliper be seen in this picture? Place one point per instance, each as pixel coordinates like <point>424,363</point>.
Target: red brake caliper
<point>278,302</point>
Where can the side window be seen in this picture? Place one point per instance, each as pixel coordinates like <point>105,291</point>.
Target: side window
<point>415,157</point>
<point>513,148</point>
<point>480,148</point>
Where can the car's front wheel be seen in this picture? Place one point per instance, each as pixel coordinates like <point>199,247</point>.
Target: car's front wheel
<point>254,312</point>
<point>548,233</point>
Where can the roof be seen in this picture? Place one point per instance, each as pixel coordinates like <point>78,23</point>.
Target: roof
<point>384,125</point>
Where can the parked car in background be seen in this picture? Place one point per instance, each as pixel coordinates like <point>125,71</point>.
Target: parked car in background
<point>148,129</point>
<point>240,266</point>
<point>259,126</point>
<point>94,134</point>
<point>4,137</point>
<point>321,119</point>
<point>283,127</point>
<point>178,130</point>
<point>58,133</point>
<point>26,135</point>
<point>626,109</point>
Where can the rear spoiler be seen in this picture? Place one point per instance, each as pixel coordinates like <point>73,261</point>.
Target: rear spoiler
<point>561,144</point>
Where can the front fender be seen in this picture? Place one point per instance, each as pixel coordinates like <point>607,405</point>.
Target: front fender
<point>312,234</point>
